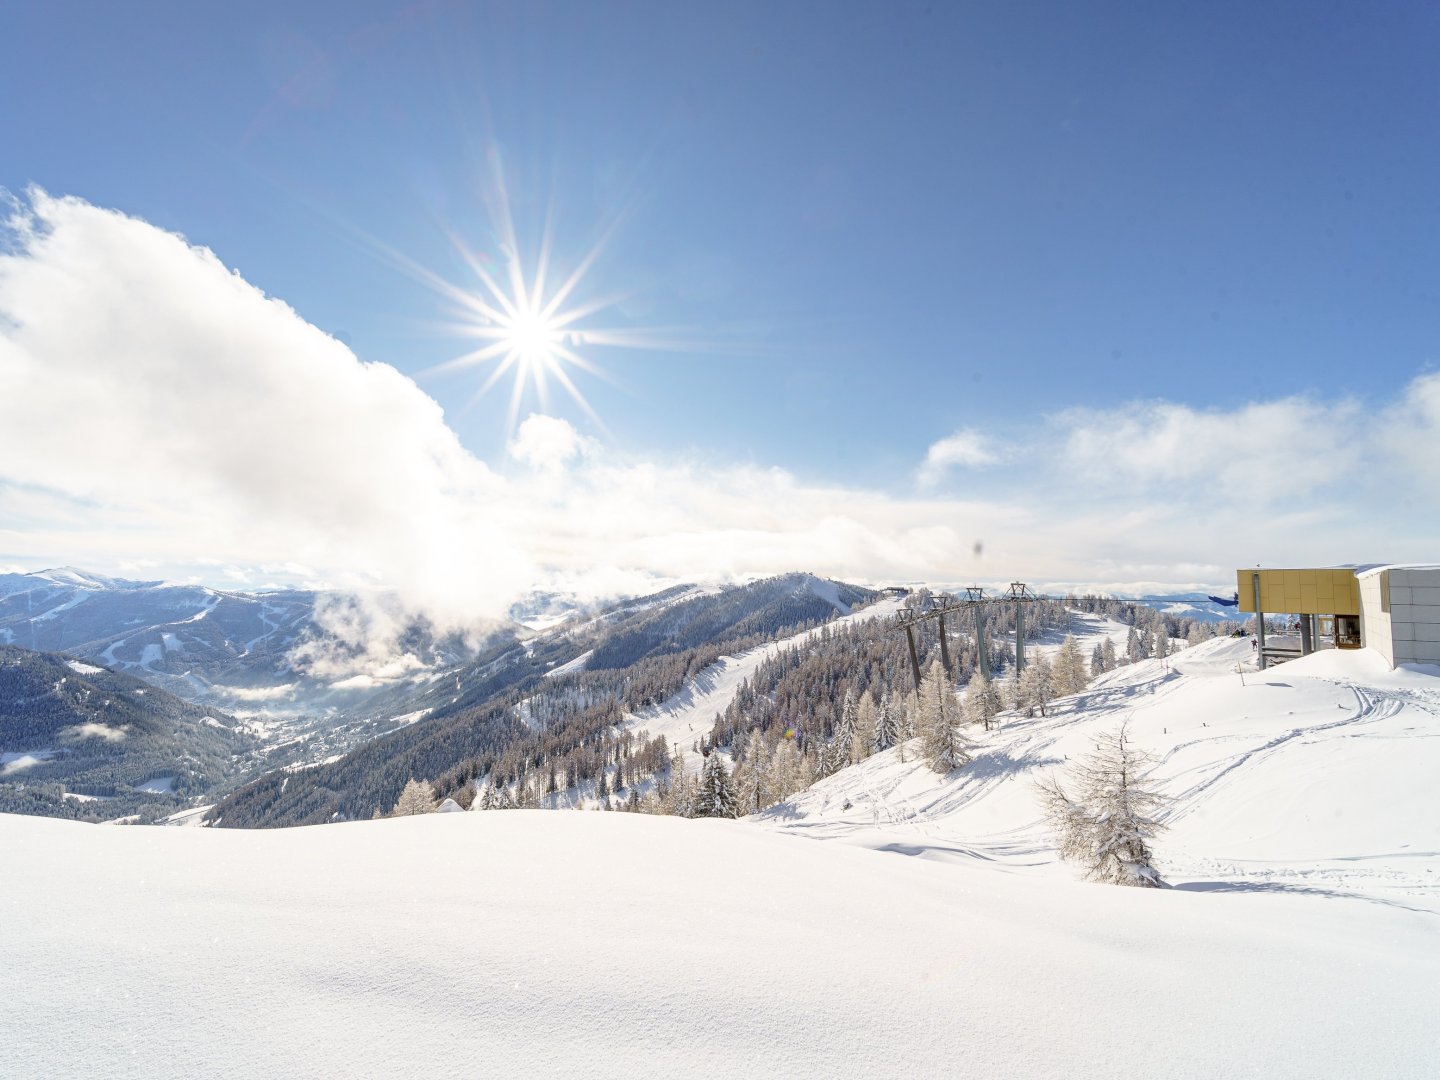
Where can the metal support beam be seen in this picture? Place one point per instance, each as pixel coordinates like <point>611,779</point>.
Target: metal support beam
<point>1259,623</point>
<point>914,657</point>
<point>1019,638</point>
<point>982,650</point>
<point>944,646</point>
<point>1307,637</point>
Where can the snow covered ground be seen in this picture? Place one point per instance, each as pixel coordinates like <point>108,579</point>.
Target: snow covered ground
<point>930,933</point>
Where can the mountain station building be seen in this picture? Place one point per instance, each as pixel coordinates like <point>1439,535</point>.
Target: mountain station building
<point>1391,608</point>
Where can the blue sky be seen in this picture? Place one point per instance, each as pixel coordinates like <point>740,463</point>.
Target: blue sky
<point>884,224</point>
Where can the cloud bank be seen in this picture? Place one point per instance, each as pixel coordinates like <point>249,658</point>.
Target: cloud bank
<point>155,407</point>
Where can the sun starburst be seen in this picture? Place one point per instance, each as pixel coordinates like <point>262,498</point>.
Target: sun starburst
<point>524,328</point>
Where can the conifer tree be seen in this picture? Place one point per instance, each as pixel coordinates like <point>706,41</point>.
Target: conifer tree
<point>1107,650</point>
<point>887,730</point>
<point>1097,661</point>
<point>843,742</point>
<point>1108,824</point>
<point>715,798</point>
<point>1135,646</point>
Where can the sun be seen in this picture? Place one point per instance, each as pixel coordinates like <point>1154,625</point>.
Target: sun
<point>532,337</point>
<point>524,325</point>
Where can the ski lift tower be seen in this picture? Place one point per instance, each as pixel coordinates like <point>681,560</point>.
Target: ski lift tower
<point>929,610</point>
<point>1020,595</point>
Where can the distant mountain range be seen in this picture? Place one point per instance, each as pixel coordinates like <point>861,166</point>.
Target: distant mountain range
<point>233,659</point>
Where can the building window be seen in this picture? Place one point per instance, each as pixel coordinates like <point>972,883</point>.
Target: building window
<point>1347,631</point>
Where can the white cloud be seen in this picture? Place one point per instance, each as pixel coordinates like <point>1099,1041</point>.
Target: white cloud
<point>186,414</point>
<point>966,448</point>
<point>547,443</point>
<point>154,406</point>
<point>1261,452</point>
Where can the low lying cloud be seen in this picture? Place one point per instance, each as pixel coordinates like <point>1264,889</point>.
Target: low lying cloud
<point>155,407</point>
<point>80,732</point>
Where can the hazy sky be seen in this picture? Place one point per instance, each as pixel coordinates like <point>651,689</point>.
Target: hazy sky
<point>1123,293</point>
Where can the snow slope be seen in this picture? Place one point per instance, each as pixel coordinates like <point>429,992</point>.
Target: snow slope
<point>524,944</point>
<point>687,715</point>
<point>1317,776</point>
<point>1301,937</point>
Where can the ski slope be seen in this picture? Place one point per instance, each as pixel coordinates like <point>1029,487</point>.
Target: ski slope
<point>689,714</point>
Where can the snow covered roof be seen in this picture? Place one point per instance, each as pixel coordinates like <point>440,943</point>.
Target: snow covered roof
<point>1376,568</point>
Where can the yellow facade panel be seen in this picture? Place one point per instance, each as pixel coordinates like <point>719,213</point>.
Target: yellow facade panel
<point>1309,591</point>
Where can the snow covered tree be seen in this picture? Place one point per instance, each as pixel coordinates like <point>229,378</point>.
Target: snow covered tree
<point>939,722</point>
<point>1161,647</point>
<point>417,797</point>
<point>1097,661</point>
<point>832,758</point>
<point>716,798</point>
<point>1109,822</point>
<point>843,742</point>
<point>887,729</point>
<point>982,701</point>
<point>1135,649</point>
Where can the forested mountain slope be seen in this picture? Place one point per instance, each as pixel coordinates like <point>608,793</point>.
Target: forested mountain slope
<point>80,741</point>
<point>557,700</point>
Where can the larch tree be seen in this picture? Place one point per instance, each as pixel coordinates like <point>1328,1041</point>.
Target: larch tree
<point>751,779</point>
<point>1037,687</point>
<point>982,701</point>
<point>417,797</point>
<point>679,795</point>
<point>1069,668</point>
<point>866,717</point>
<point>790,770</point>
<point>939,722</point>
<point>1108,822</point>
